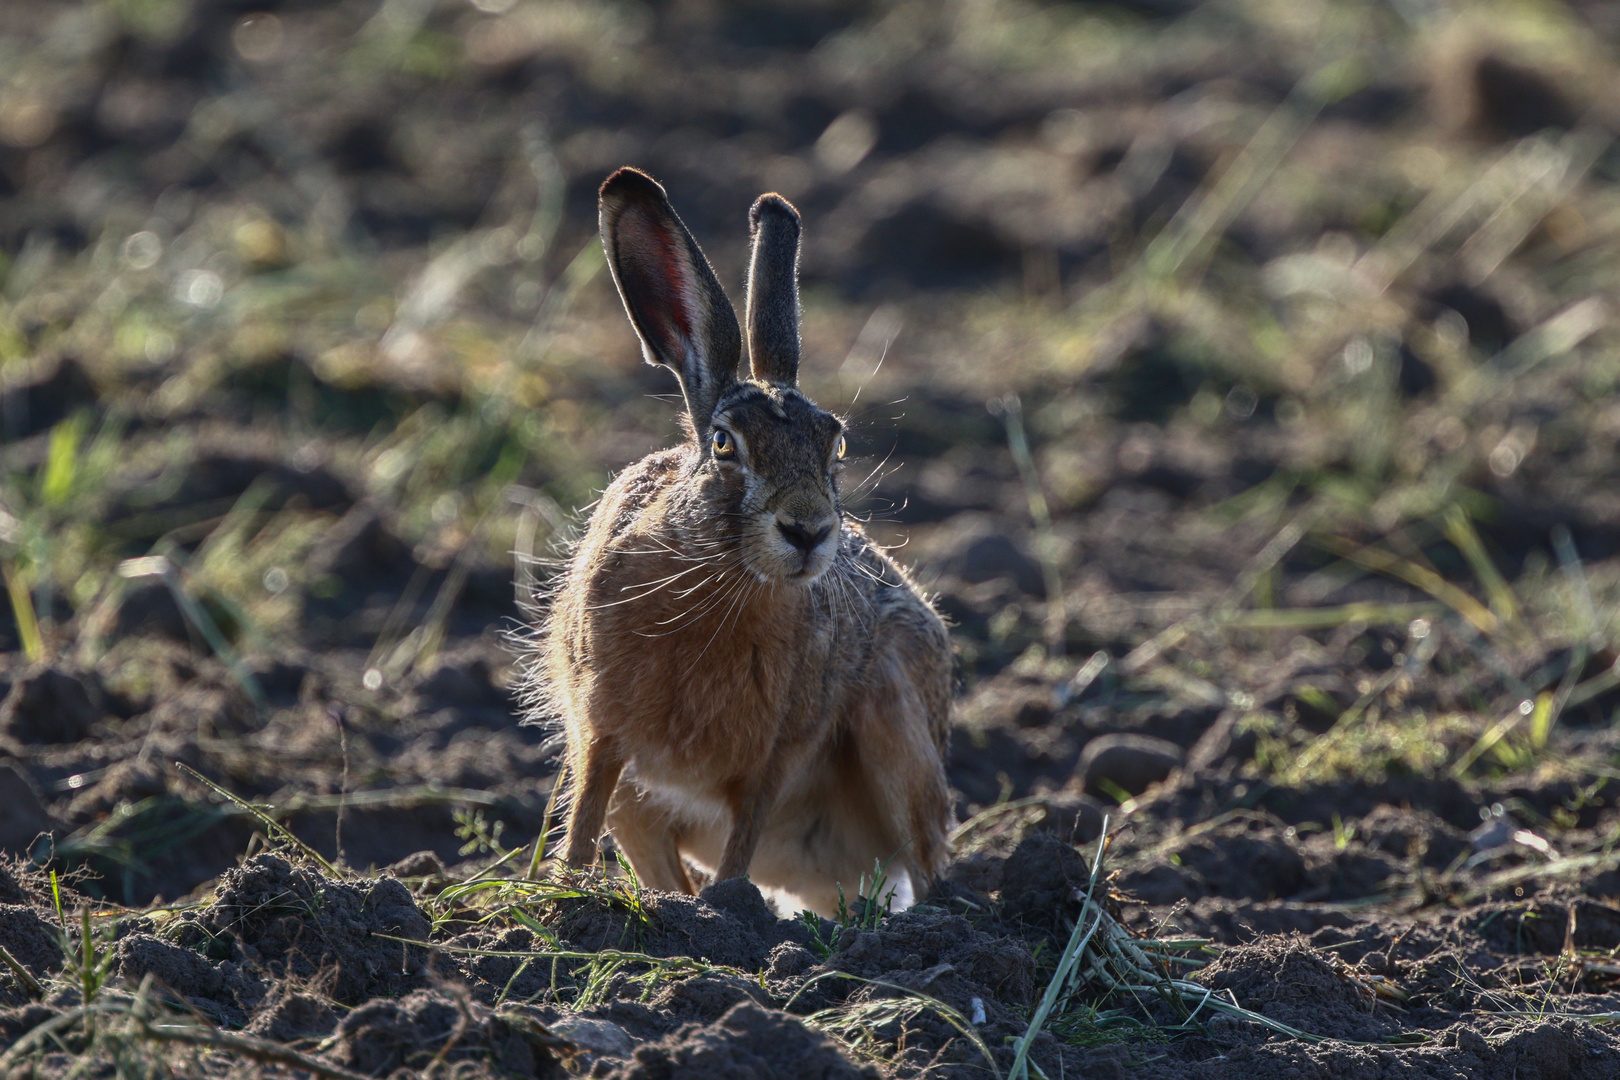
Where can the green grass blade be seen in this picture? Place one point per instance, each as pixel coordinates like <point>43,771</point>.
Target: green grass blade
<point>1078,939</point>
<point>22,607</point>
<point>275,827</point>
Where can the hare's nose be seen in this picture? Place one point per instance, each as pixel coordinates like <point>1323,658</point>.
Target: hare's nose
<point>801,537</point>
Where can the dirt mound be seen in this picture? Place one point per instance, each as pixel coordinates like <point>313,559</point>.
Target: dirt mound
<point>729,924</point>
<point>297,923</point>
<point>11,890</point>
<point>272,925</point>
<point>703,999</point>
<point>641,1014</point>
<point>288,1015</point>
<point>1041,883</point>
<point>1240,863</point>
<point>17,1021</point>
<point>426,1027</point>
<point>1290,982</point>
<point>1541,1051</point>
<point>221,991</point>
<point>942,954</point>
<point>980,975</point>
<point>747,1042</point>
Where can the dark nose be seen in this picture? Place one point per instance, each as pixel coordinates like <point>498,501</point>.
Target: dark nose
<point>802,538</point>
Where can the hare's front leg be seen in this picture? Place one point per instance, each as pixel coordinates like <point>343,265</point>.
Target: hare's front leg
<point>650,839</point>
<point>899,742</point>
<point>595,766</point>
<point>751,799</point>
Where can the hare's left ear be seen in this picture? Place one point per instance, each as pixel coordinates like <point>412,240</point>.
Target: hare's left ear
<point>670,292</point>
<point>773,291</point>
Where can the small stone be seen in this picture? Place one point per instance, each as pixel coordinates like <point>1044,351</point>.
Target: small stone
<point>1127,762</point>
<point>602,1037</point>
<point>418,864</point>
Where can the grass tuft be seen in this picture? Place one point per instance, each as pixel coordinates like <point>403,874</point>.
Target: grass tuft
<point>1104,958</point>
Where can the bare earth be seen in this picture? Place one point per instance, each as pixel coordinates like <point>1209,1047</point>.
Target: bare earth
<point>1257,509</point>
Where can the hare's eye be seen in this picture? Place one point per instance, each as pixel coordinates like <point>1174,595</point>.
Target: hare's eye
<point>724,445</point>
<point>843,447</point>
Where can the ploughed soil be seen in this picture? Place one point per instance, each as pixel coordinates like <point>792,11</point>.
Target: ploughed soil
<point>1370,840</point>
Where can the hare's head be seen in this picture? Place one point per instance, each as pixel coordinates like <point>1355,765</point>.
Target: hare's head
<point>766,458</point>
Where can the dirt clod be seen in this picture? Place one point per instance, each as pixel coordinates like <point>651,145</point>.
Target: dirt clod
<point>961,962</point>
<point>1041,882</point>
<point>730,925</point>
<point>51,705</point>
<point>223,991</point>
<point>24,819</point>
<point>35,943</point>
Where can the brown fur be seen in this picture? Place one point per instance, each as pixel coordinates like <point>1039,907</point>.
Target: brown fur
<point>733,697</point>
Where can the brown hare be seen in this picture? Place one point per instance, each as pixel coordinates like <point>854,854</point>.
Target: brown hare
<point>746,682</point>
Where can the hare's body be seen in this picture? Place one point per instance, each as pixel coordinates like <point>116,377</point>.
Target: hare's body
<point>688,692</point>
<point>746,682</point>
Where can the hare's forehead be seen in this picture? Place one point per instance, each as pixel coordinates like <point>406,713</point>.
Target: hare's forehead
<point>774,412</point>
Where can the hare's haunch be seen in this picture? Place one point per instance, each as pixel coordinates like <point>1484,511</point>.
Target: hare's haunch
<point>746,682</point>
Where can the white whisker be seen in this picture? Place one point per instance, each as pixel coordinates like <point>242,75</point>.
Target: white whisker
<point>651,587</point>
<point>743,599</point>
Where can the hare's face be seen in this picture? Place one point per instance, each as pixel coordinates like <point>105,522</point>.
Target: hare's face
<point>779,456</point>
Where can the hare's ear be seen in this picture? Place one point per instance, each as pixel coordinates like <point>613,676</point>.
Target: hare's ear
<point>773,291</point>
<point>678,308</point>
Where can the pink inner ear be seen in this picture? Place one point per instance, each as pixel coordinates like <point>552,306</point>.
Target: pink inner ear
<point>663,287</point>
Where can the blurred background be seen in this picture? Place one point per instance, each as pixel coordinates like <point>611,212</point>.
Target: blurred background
<point>1239,357</point>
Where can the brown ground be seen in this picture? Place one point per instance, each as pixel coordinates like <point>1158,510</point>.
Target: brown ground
<point>308,306</point>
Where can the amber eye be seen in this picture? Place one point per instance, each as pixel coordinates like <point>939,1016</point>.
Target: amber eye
<point>724,445</point>
<point>843,447</point>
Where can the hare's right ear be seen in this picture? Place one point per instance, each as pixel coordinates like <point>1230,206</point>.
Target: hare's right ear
<point>773,291</point>
<point>678,308</point>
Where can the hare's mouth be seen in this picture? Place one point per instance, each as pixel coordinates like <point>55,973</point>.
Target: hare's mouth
<point>809,572</point>
<point>802,553</point>
<point>798,567</point>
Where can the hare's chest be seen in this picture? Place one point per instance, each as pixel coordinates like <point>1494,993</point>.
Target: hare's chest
<point>724,719</point>
<point>712,727</point>
<point>705,707</point>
